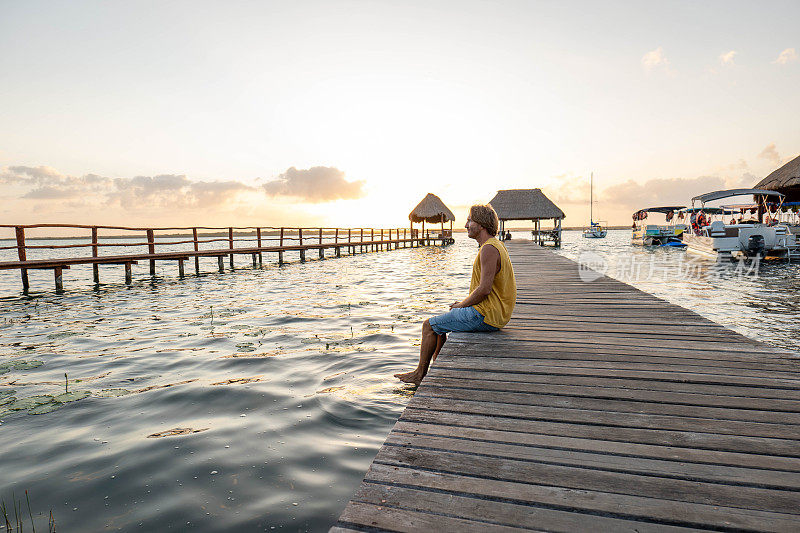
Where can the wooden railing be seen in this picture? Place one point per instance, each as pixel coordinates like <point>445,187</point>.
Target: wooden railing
<point>204,242</point>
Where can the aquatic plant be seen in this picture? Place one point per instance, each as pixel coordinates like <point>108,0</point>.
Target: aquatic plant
<point>18,523</point>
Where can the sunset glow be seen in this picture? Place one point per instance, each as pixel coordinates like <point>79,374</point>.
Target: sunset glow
<point>196,112</point>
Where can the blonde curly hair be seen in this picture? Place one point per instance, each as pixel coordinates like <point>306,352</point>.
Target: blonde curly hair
<point>485,215</point>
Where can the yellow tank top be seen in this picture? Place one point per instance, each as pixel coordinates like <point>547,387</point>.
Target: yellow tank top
<point>498,306</point>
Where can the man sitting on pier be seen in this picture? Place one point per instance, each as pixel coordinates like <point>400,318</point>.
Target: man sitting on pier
<point>493,292</point>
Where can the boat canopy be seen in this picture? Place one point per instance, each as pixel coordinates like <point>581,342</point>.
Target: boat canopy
<point>716,195</point>
<point>664,210</point>
<point>707,210</point>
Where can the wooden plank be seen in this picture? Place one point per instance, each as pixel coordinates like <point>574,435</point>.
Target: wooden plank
<point>603,461</point>
<point>624,506</point>
<point>608,404</point>
<point>673,453</point>
<point>784,432</point>
<point>597,391</point>
<point>756,498</point>
<point>666,385</point>
<point>661,437</point>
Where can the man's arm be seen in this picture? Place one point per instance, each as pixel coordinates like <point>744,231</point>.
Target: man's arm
<point>490,266</point>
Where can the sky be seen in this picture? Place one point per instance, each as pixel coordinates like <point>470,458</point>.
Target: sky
<point>347,113</point>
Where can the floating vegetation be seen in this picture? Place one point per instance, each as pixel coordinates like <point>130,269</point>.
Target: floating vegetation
<point>153,387</point>
<point>112,393</point>
<point>245,347</point>
<point>23,404</point>
<point>328,390</point>
<point>73,396</point>
<point>46,408</point>
<point>19,365</point>
<point>175,432</point>
<point>238,380</point>
<point>249,354</point>
<point>63,334</point>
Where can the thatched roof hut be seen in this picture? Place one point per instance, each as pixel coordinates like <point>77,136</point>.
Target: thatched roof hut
<point>431,209</point>
<point>785,180</point>
<point>525,204</point>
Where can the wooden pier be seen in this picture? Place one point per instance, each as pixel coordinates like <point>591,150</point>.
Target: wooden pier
<point>253,241</point>
<point>599,407</point>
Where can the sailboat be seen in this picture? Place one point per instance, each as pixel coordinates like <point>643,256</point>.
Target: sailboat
<point>595,229</point>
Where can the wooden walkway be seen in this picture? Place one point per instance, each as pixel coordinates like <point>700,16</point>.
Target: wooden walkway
<point>599,407</point>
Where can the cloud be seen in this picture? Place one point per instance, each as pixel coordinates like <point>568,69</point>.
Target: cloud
<point>788,55</point>
<point>133,194</point>
<point>315,185</point>
<point>655,58</point>
<point>770,154</point>
<point>726,59</point>
<point>173,191</point>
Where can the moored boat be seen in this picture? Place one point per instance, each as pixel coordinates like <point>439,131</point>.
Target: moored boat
<point>657,234</point>
<point>761,236</point>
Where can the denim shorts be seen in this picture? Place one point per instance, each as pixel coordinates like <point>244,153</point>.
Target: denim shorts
<point>460,319</point>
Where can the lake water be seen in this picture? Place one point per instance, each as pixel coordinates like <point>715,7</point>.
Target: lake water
<point>257,399</point>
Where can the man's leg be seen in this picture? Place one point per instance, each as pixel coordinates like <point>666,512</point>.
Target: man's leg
<point>439,343</point>
<point>427,349</point>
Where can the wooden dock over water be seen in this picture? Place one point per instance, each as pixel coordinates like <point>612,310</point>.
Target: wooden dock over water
<point>253,241</point>
<point>599,407</point>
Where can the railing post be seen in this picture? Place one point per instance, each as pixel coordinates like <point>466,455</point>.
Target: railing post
<point>372,238</point>
<point>95,266</point>
<point>260,255</point>
<point>302,250</point>
<point>20,231</point>
<point>180,268</point>
<point>336,241</point>
<point>362,240</point>
<point>57,273</point>
<point>196,248</point>
<point>321,249</point>
<point>128,275</point>
<point>151,249</point>
<point>230,245</point>
<point>280,252</point>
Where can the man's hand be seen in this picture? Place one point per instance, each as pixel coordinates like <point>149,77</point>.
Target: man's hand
<point>455,305</point>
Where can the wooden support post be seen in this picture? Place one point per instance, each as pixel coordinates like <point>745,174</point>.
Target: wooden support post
<point>57,271</point>
<point>372,238</point>
<point>260,255</point>
<point>196,248</point>
<point>255,265</point>
<point>350,249</point>
<point>151,249</point>
<point>230,244</point>
<point>321,249</point>
<point>362,240</point>
<point>128,275</point>
<point>280,252</point>
<point>95,266</point>
<point>221,262</point>
<point>300,239</point>
<point>338,251</point>
<point>20,231</point>
<point>180,268</point>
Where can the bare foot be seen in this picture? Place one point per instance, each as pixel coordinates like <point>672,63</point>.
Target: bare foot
<point>410,377</point>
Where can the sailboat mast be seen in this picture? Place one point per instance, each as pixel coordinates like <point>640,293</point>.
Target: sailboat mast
<point>591,198</point>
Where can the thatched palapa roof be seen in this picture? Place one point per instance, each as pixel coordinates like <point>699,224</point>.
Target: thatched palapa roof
<point>524,204</point>
<point>431,209</point>
<point>785,179</point>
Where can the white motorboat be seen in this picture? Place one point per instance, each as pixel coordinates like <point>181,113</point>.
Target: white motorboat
<point>762,236</point>
<point>669,234</point>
